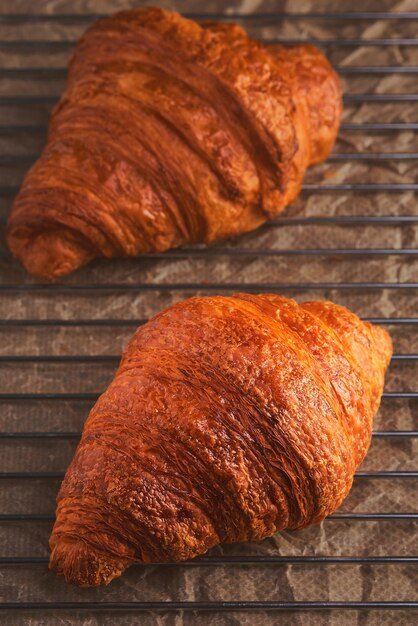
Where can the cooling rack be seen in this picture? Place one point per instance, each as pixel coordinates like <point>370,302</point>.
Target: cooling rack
<point>351,237</point>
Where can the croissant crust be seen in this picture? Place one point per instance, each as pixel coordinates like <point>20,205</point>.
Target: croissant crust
<point>170,132</point>
<point>229,418</point>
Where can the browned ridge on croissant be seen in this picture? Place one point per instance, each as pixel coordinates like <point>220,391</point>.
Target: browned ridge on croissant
<point>229,418</point>
<point>171,132</point>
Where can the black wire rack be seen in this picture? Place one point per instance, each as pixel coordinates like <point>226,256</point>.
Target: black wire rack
<point>25,290</point>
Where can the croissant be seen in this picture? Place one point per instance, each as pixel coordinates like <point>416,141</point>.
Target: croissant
<point>171,132</point>
<point>229,418</point>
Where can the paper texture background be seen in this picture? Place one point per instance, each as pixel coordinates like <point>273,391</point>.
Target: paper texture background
<point>333,538</point>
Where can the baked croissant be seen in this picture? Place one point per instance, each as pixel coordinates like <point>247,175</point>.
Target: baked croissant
<point>171,132</point>
<point>229,418</point>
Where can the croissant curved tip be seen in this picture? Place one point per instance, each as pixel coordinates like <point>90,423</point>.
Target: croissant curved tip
<point>50,255</point>
<point>82,564</point>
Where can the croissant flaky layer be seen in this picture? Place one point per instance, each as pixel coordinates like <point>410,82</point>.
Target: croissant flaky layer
<point>171,132</point>
<point>229,418</point>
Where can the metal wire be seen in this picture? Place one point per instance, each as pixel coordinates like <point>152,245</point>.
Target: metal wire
<point>404,434</point>
<point>29,475</point>
<point>218,252</point>
<point>69,43</point>
<point>276,16</point>
<point>26,159</point>
<point>383,127</point>
<point>337,517</point>
<point>61,72</point>
<point>199,287</point>
<point>309,188</point>
<point>347,98</point>
<point>392,321</point>
<point>111,358</point>
<point>206,606</point>
<point>247,560</point>
<point>410,395</point>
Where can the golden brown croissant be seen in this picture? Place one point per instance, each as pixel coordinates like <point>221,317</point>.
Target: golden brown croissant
<point>229,418</point>
<point>171,132</point>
